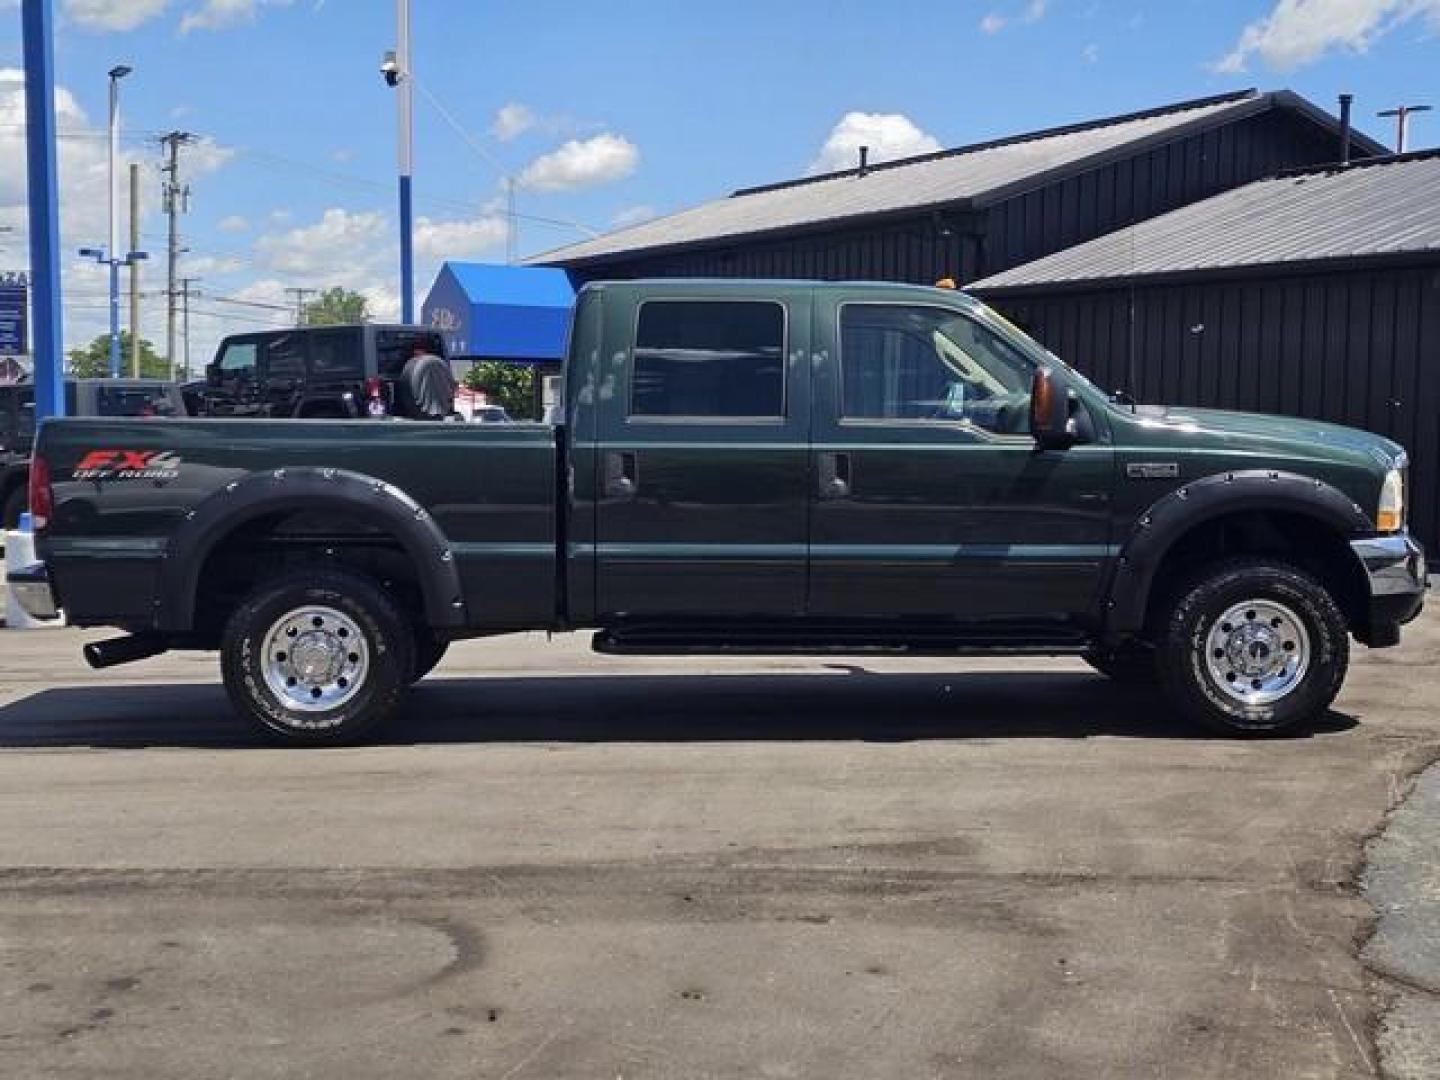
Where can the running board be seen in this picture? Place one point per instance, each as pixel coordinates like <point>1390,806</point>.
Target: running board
<point>1051,640</point>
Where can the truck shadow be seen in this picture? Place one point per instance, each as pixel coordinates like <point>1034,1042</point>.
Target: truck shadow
<point>850,704</point>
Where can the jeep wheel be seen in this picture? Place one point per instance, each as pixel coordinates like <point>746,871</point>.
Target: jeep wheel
<point>318,657</point>
<point>1132,664</point>
<point>1254,647</point>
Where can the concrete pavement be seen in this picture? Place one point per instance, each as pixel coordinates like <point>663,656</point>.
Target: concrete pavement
<point>561,865</point>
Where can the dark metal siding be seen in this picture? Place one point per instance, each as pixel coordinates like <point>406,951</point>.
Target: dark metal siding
<point>922,248</point>
<point>1354,347</point>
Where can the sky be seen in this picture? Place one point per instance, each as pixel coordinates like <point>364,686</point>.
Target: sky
<point>600,114</point>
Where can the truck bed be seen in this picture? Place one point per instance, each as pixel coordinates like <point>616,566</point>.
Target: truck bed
<point>130,492</point>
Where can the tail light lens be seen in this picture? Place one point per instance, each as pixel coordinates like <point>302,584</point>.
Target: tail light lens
<point>375,397</point>
<point>42,496</point>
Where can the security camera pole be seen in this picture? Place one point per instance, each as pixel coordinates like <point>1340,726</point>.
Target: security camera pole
<point>396,70</point>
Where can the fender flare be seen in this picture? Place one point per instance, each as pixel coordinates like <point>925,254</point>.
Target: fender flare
<point>1169,518</point>
<point>260,494</point>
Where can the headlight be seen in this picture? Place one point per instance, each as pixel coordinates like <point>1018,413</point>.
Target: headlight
<point>1390,517</point>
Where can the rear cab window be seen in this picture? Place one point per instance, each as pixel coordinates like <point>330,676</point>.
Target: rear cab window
<point>709,359</point>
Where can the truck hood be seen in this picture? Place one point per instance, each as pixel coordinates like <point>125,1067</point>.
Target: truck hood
<point>1282,431</point>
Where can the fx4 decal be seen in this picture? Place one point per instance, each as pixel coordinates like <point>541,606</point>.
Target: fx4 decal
<point>127,465</point>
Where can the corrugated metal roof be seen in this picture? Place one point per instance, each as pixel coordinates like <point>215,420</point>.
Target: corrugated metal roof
<point>1373,208</point>
<point>933,180</point>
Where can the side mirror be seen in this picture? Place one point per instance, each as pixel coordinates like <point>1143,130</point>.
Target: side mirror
<point>1050,422</point>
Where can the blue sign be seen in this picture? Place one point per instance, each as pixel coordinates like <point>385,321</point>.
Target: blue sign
<point>14,303</point>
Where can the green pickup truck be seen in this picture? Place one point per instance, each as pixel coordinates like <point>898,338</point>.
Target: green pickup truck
<point>744,467</point>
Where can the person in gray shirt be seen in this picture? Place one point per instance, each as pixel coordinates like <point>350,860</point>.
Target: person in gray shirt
<point>429,385</point>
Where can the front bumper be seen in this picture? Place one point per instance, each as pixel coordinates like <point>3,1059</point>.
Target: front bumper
<point>1396,573</point>
<point>31,586</point>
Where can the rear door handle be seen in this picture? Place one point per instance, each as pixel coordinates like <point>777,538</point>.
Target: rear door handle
<point>622,474</point>
<point>834,475</point>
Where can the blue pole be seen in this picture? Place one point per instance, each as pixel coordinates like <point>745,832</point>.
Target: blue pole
<point>407,255</point>
<point>48,340</point>
<point>114,317</point>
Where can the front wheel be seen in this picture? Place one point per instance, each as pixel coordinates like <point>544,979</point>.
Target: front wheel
<point>317,657</point>
<point>1254,647</point>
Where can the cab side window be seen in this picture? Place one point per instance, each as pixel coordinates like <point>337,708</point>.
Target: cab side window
<point>285,357</point>
<point>239,359</point>
<point>712,359</point>
<point>913,363</point>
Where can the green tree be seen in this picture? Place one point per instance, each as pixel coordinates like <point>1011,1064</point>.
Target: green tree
<point>510,385</point>
<point>93,361</point>
<point>337,307</point>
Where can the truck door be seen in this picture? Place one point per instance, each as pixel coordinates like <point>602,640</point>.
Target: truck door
<point>930,497</point>
<point>702,467</point>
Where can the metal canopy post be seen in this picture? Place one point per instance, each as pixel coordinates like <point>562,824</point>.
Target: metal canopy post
<point>44,208</point>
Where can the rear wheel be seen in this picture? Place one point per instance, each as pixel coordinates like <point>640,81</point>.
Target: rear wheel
<point>318,657</point>
<point>1254,647</point>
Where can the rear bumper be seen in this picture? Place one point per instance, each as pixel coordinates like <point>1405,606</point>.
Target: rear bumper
<point>31,585</point>
<point>1395,571</point>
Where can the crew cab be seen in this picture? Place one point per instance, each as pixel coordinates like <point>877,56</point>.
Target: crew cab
<point>313,372</point>
<point>744,467</point>
<point>83,397</point>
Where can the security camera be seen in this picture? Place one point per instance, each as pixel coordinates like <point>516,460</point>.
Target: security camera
<point>390,69</point>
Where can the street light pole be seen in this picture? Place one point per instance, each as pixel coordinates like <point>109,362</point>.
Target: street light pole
<point>37,22</point>
<point>406,87</point>
<point>116,74</point>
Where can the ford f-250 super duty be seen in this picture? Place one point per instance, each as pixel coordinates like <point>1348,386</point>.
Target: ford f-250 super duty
<point>744,467</point>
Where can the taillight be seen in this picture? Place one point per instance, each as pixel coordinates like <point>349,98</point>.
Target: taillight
<point>375,397</point>
<point>42,497</point>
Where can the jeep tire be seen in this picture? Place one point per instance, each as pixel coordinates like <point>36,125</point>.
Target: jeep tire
<point>317,657</point>
<point>1252,647</point>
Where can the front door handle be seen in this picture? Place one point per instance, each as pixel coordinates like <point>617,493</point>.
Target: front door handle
<point>834,475</point>
<point>621,474</point>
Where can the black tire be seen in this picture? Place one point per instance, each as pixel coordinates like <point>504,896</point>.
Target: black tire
<point>15,505</point>
<point>1185,649</point>
<point>1132,664</point>
<point>429,651</point>
<point>355,601</point>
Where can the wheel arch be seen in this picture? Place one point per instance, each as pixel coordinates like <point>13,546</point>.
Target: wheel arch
<point>1209,504</point>
<point>223,514</point>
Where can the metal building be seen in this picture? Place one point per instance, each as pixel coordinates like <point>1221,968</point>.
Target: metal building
<point>1315,293</point>
<point>976,210</point>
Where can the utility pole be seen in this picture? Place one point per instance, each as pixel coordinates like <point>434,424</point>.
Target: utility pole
<point>176,202</point>
<point>1402,114</point>
<point>512,223</point>
<point>134,271</point>
<point>185,293</point>
<point>395,69</point>
<point>300,295</point>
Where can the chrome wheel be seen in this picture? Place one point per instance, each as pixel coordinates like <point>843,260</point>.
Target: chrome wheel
<point>1257,652</point>
<point>315,658</point>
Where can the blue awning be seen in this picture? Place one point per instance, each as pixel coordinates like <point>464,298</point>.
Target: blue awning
<point>487,312</point>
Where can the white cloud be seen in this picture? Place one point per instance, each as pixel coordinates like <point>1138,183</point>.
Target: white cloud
<point>219,14</point>
<point>1298,32</point>
<point>113,14</point>
<point>234,224</point>
<point>512,121</point>
<point>1032,12</point>
<point>582,163</point>
<point>459,239</point>
<point>1090,53</point>
<point>888,135</point>
<point>634,215</point>
<point>328,247</point>
<point>342,155</point>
